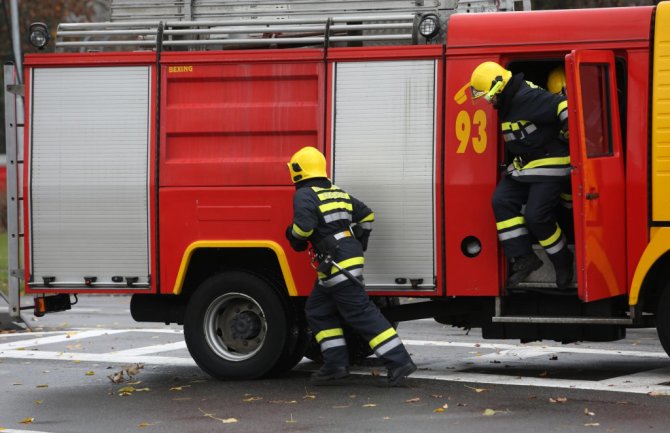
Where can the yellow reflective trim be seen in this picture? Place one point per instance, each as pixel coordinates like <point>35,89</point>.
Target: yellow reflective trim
<point>335,205</point>
<point>657,248</point>
<point>566,197</point>
<point>563,105</point>
<point>553,238</point>
<point>516,221</point>
<point>326,333</point>
<point>330,195</point>
<point>382,337</point>
<point>354,261</point>
<point>368,218</point>
<point>271,245</point>
<point>559,160</point>
<point>506,126</point>
<point>301,232</point>
<point>515,126</point>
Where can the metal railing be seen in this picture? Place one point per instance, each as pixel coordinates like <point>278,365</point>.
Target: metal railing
<point>386,28</point>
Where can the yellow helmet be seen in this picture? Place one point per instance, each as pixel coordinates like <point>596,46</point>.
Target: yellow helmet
<point>488,79</point>
<point>307,163</point>
<point>556,81</point>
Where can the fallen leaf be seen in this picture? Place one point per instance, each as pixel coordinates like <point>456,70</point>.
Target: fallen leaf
<point>436,395</point>
<point>142,389</point>
<point>588,412</point>
<point>90,373</point>
<point>27,420</point>
<point>135,382</point>
<point>558,399</point>
<point>133,370</point>
<point>179,388</point>
<point>439,409</point>
<point>369,405</point>
<point>223,420</point>
<point>544,374</point>
<point>283,401</point>
<point>117,377</point>
<point>413,400</point>
<point>42,385</point>
<point>592,424</point>
<point>657,394</point>
<point>146,424</point>
<point>477,389</point>
<point>73,346</point>
<point>375,372</point>
<point>250,399</point>
<point>38,402</point>
<point>489,412</point>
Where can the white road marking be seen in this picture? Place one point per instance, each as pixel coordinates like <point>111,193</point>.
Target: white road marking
<point>634,387</point>
<point>96,357</point>
<point>517,351</point>
<point>643,382</point>
<point>68,336</point>
<point>11,430</point>
<point>168,347</point>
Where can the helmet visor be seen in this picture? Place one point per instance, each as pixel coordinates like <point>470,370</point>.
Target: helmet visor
<point>476,94</point>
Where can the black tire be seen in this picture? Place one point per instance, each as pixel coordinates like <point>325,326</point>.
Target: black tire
<point>663,319</point>
<point>297,338</point>
<point>235,326</point>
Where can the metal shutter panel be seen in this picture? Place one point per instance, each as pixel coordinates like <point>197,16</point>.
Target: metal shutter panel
<point>384,147</point>
<point>89,174</point>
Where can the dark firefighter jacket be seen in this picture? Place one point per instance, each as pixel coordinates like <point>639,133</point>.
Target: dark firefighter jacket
<point>323,215</point>
<point>534,124</point>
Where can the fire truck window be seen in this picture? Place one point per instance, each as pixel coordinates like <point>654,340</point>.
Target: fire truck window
<point>596,101</point>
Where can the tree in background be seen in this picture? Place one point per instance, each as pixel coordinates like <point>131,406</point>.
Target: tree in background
<point>51,13</point>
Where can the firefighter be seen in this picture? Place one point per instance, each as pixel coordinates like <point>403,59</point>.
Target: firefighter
<point>338,227</point>
<point>534,126</point>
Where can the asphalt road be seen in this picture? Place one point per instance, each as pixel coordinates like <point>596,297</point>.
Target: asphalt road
<point>56,380</point>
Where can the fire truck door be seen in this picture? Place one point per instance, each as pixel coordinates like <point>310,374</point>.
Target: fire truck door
<point>598,186</point>
<point>384,154</point>
<point>88,185</point>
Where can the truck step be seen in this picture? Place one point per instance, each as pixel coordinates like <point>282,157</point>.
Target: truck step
<point>563,320</point>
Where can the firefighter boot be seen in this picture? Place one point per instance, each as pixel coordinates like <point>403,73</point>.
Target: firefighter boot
<point>564,269</point>
<point>327,375</point>
<point>397,374</point>
<point>522,268</point>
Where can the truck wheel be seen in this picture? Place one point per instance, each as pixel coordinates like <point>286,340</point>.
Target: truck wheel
<point>297,338</point>
<point>663,319</point>
<point>235,326</point>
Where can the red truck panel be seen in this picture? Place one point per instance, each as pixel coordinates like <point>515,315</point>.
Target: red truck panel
<point>237,124</point>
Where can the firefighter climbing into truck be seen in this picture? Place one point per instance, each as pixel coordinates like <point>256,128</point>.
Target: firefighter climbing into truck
<point>153,163</point>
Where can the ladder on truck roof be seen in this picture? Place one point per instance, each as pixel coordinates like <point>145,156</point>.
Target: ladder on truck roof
<point>225,24</point>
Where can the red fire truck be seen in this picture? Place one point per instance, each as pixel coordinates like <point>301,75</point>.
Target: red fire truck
<point>161,172</point>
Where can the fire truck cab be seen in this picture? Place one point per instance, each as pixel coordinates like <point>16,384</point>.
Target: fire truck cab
<point>161,173</point>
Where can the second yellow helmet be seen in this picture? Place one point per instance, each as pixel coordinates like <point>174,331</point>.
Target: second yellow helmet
<point>307,163</point>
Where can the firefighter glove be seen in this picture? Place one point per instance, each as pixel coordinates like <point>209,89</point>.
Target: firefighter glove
<point>362,235</point>
<point>296,244</point>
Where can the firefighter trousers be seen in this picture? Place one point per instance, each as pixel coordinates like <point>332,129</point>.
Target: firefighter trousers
<point>328,308</point>
<point>517,226</point>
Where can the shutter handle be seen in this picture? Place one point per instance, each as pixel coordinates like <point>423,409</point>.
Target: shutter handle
<point>592,195</point>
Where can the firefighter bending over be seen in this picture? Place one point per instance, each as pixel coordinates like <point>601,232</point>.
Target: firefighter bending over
<point>323,215</point>
<point>534,126</point>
